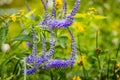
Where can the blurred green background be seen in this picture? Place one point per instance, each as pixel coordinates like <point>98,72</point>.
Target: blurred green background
<point>96,27</point>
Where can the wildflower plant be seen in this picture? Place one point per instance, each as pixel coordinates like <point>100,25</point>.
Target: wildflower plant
<point>56,42</point>
<point>44,60</point>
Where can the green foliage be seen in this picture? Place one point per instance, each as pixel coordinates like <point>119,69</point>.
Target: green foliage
<point>96,29</point>
<point>22,38</point>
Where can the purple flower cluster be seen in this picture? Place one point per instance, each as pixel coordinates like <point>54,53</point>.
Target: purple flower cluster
<point>31,71</point>
<point>63,63</point>
<point>58,64</point>
<point>44,61</point>
<point>40,60</point>
<point>57,23</point>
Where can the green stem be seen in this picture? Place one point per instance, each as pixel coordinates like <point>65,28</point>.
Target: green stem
<point>79,45</point>
<point>97,46</point>
<point>108,66</point>
<point>84,71</point>
<point>51,74</point>
<point>115,78</point>
<point>25,68</point>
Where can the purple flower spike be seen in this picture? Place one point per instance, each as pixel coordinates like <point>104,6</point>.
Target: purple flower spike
<point>30,71</point>
<point>43,47</point>
<point>75,8</point>
<point>58,64</point>
<point>32,56</point>
<point>54,9</point>
<point>64,8</point>
<point>43,22</point>
<point>45,5</point>
<point>40,61</point>
<point>63,63</point>
<point>59,23</point>
<point>52,45</point>
<point>74,49</point>
<point>52,23</point>
<point>56,23</point>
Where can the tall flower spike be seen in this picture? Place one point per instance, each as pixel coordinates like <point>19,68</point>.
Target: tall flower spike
<point>44,21</point>
<point>32,56</point>
<point>52,43</point>
<point>57,23</point>
<point>39,59</point>
<point>64,8</point>
<point>45,6</point>
<point>63,63</point>
<point>74,49</point>
<point>43,47</point>
<point>43,58</point>
<point>54,9</point>
<point>46,57</point>
<point>75,8</point>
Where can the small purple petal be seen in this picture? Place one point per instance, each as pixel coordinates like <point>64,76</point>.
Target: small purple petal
<point>28,44</point>
<point>30,71</point>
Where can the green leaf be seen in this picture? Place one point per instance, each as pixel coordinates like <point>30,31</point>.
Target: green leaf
<point>99,17</point>
<point>28,15</point>
<point>3,33</point>
<point>22,38</point>
<point>62,41</point>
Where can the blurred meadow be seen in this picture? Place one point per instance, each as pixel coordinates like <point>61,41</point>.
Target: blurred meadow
<point>96,29</point>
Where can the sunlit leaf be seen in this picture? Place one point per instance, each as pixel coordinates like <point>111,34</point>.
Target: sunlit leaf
<point>28,15</point>
<point>99,17</point>
<point>22,38</point>
<point>82,15</point>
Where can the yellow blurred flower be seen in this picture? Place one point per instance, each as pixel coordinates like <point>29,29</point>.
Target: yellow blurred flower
<point>9,78</point>
<point>117,65</point>
<point>13,17</point>
<point>76,78</point>
<point>59,4</point>
<point>82,60</point>
<point>118,76</point>
<point>99,17</point>
<point>116,24</point>
<point>24,44</point>
<point>92,9</point>
<point>78,27</point>
<point>5,16</point>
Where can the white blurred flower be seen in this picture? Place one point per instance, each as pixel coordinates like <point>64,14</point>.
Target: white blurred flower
<point>115,41</point>
<point>50,4</point>
<point>5,48</point>
<point>115,33</point>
